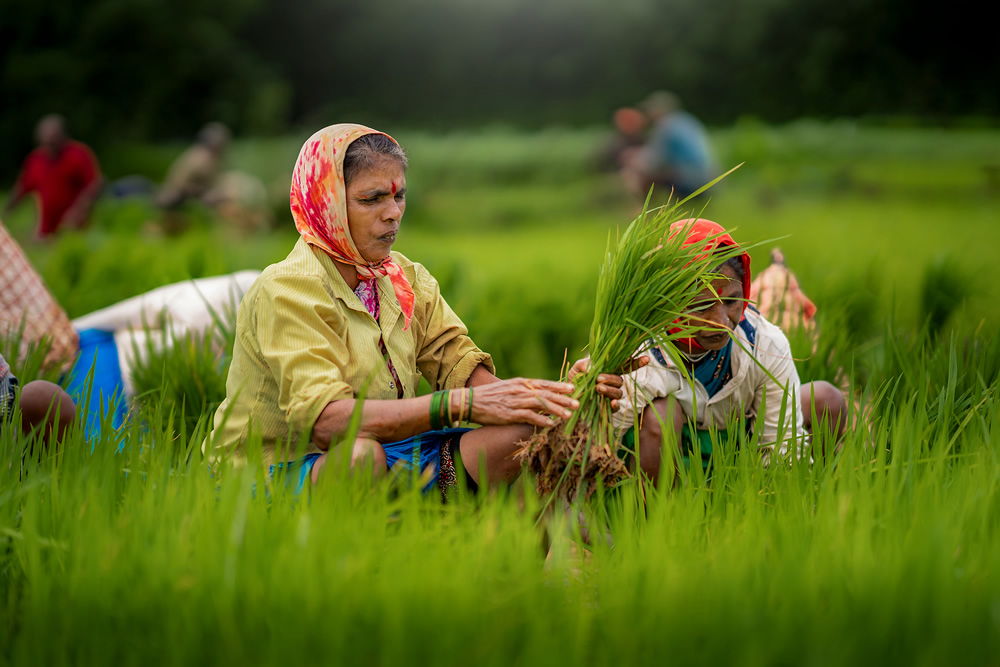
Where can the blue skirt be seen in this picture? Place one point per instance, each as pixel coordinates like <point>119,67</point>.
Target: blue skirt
<point>422,450</point>
<point>97,377</point>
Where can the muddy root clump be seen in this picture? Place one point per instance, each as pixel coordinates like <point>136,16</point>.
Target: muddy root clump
<point>570,465</point>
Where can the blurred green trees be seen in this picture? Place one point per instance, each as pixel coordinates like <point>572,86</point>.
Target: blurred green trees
<point>146,69</point>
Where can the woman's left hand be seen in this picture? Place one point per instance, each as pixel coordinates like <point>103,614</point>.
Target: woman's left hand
<point>609,385</point>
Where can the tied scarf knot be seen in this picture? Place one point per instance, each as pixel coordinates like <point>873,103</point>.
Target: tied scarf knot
<point>400,285</point>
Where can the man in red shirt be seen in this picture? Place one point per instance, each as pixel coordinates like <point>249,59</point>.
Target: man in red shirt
<point>65,175</point>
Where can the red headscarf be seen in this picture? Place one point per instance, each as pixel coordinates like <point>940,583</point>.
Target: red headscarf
<point>319,207</point>
<point>710,236</point>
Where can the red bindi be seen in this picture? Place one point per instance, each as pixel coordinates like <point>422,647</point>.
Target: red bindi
<point>394,187</point>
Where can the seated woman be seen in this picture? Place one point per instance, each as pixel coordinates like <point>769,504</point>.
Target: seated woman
<point>100,351</point>
<point>741,365</point>
<point>342,315</point>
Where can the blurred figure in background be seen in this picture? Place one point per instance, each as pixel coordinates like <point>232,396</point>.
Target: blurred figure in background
<point>63,173</point>
<point>776,293</point>
<point>629,126</point>
<point>195,173</point>
<point>677,156</point>
<point>237,197</point>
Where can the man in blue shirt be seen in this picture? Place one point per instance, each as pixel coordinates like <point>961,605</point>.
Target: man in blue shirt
<point>677,156</point>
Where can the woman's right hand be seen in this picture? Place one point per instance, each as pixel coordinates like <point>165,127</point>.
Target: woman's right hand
<point>609,385</point>
<point>522,401</point>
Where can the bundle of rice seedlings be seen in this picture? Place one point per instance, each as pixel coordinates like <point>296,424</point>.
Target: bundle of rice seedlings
<point>648,280</point>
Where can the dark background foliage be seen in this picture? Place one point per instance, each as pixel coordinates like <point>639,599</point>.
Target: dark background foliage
<point>125,70</point>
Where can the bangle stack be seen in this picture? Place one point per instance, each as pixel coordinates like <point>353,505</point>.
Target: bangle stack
<point>436,422</point>
<point>441,411</point>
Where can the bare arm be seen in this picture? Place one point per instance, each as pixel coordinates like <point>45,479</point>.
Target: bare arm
<point>78,213</point>
<point>381,420</point>
<point>481,375</point>
<point>516,401</point>
<point>16,195</point>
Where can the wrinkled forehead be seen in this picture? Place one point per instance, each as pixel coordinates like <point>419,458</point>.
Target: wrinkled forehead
<point>726,284</point>
<point>384,170</point>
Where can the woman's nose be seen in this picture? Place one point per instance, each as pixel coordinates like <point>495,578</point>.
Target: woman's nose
<point>717,315</point>
<point>393,211</point>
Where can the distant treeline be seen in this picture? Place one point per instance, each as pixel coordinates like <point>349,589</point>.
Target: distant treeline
<point>153,69</point>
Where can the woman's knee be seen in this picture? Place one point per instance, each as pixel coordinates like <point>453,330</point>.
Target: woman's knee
<point>366,454</point>
<point>662,415</point>
<point>46,406</point>
<point>490,450</point>
<point>827,402</point>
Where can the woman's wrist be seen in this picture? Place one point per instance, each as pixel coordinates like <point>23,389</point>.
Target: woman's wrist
<point>459,406</point>
<point>439,404</point>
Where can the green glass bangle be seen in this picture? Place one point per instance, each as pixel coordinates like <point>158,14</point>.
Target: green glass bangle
<point>446,409</point>
<point>436,397</point>
<point>443,408</point>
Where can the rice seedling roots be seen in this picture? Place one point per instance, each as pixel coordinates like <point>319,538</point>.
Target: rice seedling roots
<point>571,464</point>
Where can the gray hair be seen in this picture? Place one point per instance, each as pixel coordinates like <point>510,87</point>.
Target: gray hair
<point>367,151</point>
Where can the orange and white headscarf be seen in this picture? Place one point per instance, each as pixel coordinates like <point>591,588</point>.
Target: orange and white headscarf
<point>710,236</point>
<point>319,207</point>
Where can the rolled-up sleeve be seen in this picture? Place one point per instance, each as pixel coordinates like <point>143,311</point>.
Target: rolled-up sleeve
<point>446,355</point>
<point>296,328</point>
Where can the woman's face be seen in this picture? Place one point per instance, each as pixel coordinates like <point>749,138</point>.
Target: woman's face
<point>376,199</point>
<point>719,313</point>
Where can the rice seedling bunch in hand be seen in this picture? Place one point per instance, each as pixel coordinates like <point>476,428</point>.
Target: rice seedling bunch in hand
<point>648,280</point>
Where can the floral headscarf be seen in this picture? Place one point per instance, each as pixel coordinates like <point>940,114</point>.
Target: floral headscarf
<point>319,207</point>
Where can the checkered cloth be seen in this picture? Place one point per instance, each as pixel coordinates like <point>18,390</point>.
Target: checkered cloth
<point>24,298</point>
<point>8,385</point>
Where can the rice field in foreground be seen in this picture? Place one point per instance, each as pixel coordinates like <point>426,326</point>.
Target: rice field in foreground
<point>133,554</point>
<point>887,554</point>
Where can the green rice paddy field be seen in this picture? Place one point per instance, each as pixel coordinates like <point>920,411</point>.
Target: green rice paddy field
<point>133,554</point>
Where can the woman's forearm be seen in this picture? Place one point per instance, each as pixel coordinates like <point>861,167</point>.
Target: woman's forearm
<point>386,420</point>
<point>381,420</point>
<point>516,401</point>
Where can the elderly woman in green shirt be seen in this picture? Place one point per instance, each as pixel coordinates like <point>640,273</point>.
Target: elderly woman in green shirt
<point>342,314</point>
